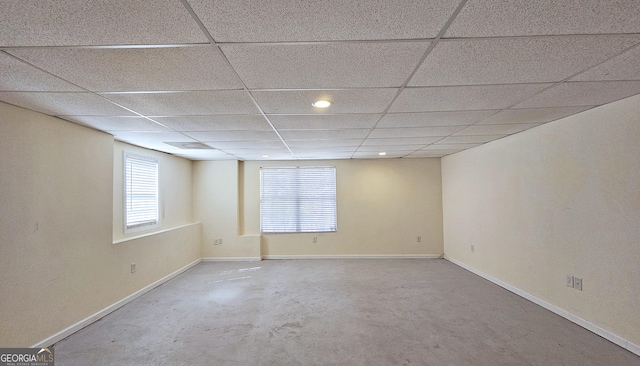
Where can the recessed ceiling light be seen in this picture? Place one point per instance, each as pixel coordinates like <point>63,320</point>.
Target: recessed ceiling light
<point>321,104</point>
<point>265,156</point>
<point>382,153</point>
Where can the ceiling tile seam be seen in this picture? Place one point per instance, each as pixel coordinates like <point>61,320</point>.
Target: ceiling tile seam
<point>108,47</point>
<point>628,49</point>
<point>565,80</point>
<point>213,43</point>
<point>471,85</point>
<point>447,39</point>
<point>89,91</point>
<point>525,123</point>
<point>426,53</point>
<point>106,92</point>
<point>327,42</point>
<point>320,89</point>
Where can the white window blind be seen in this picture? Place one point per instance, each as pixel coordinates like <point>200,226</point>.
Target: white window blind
<point>295,200</point>
<point>140,191</point>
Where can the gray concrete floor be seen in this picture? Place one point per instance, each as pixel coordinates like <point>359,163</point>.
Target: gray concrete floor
<point>335,312</point>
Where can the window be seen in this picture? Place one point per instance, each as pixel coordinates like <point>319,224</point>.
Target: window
<point>298,200</point>
<point>140,192</point>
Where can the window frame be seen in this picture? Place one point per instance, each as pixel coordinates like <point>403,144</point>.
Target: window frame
<point>149,224</point>
<point>334,229</point>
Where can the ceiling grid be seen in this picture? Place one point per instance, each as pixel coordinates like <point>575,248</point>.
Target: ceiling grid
<point>411,78</point>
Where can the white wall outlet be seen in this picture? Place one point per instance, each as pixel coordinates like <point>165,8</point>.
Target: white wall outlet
<point>217,241</point>
<point>568,281</point>
<point>419,239</point>
<point>473,248</point>
<point>220,241</point>
<point>315,239</point>
<point>577,283</point>
<point>133,268</point>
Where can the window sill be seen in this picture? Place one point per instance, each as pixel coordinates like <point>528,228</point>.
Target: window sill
<point>152,233</point>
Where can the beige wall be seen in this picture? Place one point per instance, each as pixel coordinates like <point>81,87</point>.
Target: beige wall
<point>562,198</point>
<point>383,205</point>
<point>57,261</point>
<point>215,203</point>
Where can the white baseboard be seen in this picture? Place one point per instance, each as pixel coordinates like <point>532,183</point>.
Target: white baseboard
<point>231,259</point>
<point>563,313</point>
<point>355,256</point>
<point>92,318</point>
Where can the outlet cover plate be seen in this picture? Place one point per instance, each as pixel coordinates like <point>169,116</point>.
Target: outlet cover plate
<point>569,281</point>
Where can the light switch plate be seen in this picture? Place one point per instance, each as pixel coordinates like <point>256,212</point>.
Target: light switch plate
<point>577,283</point>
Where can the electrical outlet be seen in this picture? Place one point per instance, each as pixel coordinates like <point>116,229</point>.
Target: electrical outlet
<point>315,239</point>
<point>473,248</point>
<point>217,241</point>
<point>577,283</point>
<point>133,268</point>
<point>419,239</point>
<point>569,281</point>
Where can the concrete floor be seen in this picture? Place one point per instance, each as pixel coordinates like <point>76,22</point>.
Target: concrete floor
<point>335,312</point>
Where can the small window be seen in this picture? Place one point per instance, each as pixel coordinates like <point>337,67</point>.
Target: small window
<point>141,199</point>
<point>298,200</point>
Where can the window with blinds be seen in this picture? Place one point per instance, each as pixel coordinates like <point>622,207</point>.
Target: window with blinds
<point>298,200</point>
<point>141,199</point>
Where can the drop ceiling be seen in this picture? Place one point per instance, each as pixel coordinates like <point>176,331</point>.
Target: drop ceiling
<point>412,78</point>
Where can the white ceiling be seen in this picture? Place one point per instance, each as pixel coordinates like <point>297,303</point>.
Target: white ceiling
<point>412,78</point>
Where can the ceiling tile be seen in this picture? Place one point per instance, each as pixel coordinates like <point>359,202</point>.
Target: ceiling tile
<point>257,148</point>
<point>622,67</point>
<point>400,141</point>
<point>343,101</point>
<point>306,150</point>
<point>254,122</point>
<point>61,103</point>
<point>323,122</point>
<point>136,69</point>
<point>453,147</point>
<point>136,137</point>
<point>388,155</point>
<point>348,133</point>
<point>496,129</point>
<point>315,20</point>
<point>267,144</point>
<point>324,155</point>
<point>582,94</point>
<point>448,98</point>
<point>205,155</point>
<point>424,154</point>
<point>324,143</point>
<point>414,132</point>
<point>470,139</point>
<point>273,156</point>
<point>81,22</point>
<point>117,123</point>
<point>433,119</point>
<point>224,135</point>
<point>533,115</point>
<point>387,148</point>
<point>516,60</point>
<point>187,103</point>
<point>315,66</point>
<point>485,18</point>
<point>19,76</point>
<point>433,149</point>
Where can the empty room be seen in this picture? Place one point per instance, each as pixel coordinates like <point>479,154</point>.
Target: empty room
<point>244,182</point>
